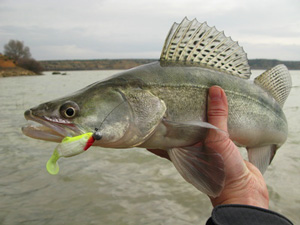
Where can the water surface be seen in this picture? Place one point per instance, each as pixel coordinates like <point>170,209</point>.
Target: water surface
<point>110,186</point>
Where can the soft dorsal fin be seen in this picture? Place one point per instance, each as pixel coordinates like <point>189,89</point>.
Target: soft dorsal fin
<point>277,81</point>
<point>196,43</point>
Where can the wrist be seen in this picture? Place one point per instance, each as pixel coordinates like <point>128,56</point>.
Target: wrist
<point>248,190</point>
<point>262,201</point>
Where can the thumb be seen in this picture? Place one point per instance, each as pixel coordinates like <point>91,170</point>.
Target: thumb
<point>217,114</point>
<point>217,107</point>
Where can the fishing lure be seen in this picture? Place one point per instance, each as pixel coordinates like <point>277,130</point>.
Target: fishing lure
<point>71,146</point>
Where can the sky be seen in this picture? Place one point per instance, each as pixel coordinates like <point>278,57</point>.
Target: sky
<point>116,29</point>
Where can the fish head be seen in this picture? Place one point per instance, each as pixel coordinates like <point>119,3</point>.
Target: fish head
<point>104,110</point>
<point>55,120</point>
<point>116,116</point>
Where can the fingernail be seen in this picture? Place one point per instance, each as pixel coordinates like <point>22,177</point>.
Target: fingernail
<point>215,93</point>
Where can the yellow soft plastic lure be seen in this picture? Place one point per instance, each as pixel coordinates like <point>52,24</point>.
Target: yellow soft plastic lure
<point>69,146</point>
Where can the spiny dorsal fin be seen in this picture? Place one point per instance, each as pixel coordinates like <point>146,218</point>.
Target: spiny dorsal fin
<point>196,43</point>
<point>277,81</point>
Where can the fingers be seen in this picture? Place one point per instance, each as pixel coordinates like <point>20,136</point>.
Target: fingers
<point>217,108</point>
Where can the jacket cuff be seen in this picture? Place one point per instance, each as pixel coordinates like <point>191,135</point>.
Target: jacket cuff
<point>245,215</point>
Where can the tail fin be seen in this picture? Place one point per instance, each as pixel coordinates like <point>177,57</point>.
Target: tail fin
<point>277,81</point>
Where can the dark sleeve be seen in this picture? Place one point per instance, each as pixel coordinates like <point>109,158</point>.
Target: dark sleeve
<point>245,215</point>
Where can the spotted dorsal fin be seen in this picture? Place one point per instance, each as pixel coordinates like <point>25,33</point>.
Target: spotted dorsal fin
<point>197,44</point>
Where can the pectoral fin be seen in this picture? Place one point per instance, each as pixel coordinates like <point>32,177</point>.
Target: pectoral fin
<point>191,132</point>
<point>261,157</point>
<point>200,166</point>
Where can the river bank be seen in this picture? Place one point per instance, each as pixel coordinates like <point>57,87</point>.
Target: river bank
<point>9,69</point>
<point>15,71</point>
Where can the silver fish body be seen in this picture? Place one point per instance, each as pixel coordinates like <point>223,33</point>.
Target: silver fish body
<point>255,118</point>
<point>163,105</point>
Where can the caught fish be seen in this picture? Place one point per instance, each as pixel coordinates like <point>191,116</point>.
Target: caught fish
<point>162,105</point>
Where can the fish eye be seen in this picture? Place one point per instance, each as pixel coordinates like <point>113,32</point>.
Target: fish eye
<point>69,110</point>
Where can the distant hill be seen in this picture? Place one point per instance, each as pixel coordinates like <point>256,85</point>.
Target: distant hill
<point>120,64</point>
<point>269,63</point>
<point>97,64</point>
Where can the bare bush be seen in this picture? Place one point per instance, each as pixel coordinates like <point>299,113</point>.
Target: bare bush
<point>16,50</point>
<point>30,64</point>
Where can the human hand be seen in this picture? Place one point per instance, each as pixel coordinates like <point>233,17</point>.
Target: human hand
<point>244,184</point>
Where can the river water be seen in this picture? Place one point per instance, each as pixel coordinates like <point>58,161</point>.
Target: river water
<point>110,186</point>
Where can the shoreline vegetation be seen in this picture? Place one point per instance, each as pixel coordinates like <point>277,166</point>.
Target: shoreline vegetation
<point>9,68</point>
<point>17,60</point>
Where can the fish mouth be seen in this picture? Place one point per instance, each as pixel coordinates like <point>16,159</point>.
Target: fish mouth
<point>48,128</point>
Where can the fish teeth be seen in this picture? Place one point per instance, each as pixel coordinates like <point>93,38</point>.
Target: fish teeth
<point>56,120</point>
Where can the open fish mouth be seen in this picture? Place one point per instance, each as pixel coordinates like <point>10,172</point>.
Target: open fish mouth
<point>48,129</point>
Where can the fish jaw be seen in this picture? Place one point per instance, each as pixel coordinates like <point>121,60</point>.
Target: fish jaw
<point>49,128</point>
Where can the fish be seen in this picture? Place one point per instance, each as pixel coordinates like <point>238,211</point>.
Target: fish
<point>163,105</point>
